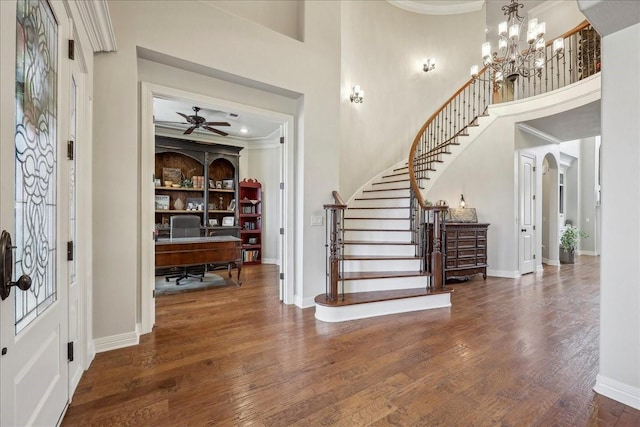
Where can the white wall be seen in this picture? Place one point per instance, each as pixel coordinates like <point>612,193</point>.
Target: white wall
<point>619,375</point>
<point>263,165</point>
<point>560,16</point>
<point>588,171</point>
<point>238,50</point>
<point>383,48</point>
<point>486,171</point>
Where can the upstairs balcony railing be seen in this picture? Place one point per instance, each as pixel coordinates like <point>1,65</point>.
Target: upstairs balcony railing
<point>580,59</point>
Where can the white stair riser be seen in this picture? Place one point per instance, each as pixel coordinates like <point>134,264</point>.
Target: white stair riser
<point>388,193</point>
<point>378,224</point>
<point>383,185</point>
<point>378,236</point>
<point>381,308</point>
<point>382,203</point>
<point>387,284</point>
<point>381,250</point>
<point>378,213</point>
<point>382,265</point>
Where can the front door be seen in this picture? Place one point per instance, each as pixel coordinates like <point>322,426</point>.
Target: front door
<point>33,322</point>
<point>527,214</point>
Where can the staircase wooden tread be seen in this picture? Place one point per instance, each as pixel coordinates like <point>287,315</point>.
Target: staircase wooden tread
<point>378,257</point>
<point>369,217</point>
<point>356,275</point>
<point>385,189</point>
<point>376,296</point>
<point>379,207</point>
<point>368,242</point>
<point>378,229</point>
<point>382,198</point>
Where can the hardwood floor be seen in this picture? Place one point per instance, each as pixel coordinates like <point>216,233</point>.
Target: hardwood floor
<point>509,352</point>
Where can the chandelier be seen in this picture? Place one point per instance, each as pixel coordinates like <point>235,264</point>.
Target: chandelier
<point>511,60</point>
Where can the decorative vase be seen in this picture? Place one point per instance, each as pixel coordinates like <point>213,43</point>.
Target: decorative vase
<point>178,205</point>
<point>566,256</point>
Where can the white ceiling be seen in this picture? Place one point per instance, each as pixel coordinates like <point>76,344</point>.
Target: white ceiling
<point>258,128</point>
<point>579,123</point>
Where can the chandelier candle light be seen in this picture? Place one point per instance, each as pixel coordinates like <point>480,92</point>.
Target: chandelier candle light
<point>510,61</point>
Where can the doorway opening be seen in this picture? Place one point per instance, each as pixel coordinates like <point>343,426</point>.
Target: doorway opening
<point>550,210</point>
<point>267,150</point>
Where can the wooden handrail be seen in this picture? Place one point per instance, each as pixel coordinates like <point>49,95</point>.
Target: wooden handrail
<point>412,175</point>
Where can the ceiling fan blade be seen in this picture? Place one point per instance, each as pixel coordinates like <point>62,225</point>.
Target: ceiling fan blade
<point>219,132</point>
<point>187,118</point>
<point>188,131</point>
<point>217,124</point>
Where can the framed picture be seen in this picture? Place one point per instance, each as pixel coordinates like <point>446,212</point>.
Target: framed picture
<point>228,221</point>
<point>227,184</point>
<point>219,185</point>
<point>171,176</point>
<point>162,203</point>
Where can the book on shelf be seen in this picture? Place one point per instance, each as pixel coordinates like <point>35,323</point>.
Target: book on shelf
<point>250,255</point>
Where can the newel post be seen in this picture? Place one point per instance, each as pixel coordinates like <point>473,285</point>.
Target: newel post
<point>436,254</point>
<point>334,246</point>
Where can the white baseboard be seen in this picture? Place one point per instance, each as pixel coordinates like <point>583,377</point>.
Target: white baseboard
<point>307,302</point>
<point>539,268</point>
<point>588,253</point>
<point>91,354</point>
<point>270,261</point>
<point>504,273</point>
<point>618,391</point>
<point>114,342</point>
<point>550,261</point>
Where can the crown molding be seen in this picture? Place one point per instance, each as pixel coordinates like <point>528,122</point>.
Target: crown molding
<point>543,7</point>
<point>97,21</point>
<point>427,7</point>
<point>537,132</point>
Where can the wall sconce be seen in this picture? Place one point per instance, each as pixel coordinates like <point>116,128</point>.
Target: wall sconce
<point>357,94</point>
<point>463,204</point>
<point>429,65</point>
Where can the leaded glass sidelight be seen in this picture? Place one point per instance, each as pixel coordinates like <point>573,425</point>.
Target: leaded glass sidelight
<point>35,163</point>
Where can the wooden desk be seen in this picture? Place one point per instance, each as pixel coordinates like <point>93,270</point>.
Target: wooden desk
<point>186,251</point>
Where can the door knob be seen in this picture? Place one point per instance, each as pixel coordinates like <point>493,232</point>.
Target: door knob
<point>524,230</point>
<point>6,268</point>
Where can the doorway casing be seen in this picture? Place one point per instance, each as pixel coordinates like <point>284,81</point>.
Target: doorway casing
<point>147,150</point>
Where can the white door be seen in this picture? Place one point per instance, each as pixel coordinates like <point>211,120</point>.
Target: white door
<point>33,323</point>
<point>527,214</point>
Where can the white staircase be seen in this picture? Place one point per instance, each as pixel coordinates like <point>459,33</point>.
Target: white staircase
<point>382,274</point>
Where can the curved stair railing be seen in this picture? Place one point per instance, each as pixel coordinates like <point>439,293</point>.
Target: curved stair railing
<point>445,127</point>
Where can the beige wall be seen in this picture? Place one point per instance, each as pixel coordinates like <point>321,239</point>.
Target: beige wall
<point>238,49</point>
<point>383,48</point>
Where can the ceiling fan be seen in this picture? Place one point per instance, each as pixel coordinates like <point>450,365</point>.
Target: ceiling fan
<point>197,121</point>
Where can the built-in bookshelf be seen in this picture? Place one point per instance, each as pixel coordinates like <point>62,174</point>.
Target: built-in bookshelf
<point>250,220</point>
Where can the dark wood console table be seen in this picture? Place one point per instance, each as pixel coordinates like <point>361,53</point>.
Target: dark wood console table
<point>187,251</point>
<point>465,249</point>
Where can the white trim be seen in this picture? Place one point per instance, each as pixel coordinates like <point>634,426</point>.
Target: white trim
<point>97,22</point>
<point>618,391</point>
<point>504,273</point>
<point>270,261</point>
<point>536,132</point>
<point>543,7</point>
<point>147,149</point>
<point>588,253</point>
<point>565,161</point>
<point>550,261</point>
<point>382,308</point>
<point>114,342</point>
<point>437,7</point>
<point>539,268</point>
<point>305,302</point>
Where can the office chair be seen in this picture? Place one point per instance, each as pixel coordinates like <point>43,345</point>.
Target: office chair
<point>186,226</point>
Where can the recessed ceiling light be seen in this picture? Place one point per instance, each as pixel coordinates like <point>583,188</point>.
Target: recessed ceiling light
<point>244,130</point>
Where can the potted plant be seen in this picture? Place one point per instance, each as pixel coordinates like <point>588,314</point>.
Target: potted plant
<point>569,243</point>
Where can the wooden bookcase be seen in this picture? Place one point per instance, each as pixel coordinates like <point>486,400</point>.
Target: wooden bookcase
<point>250,202</point>
<point>212,170</point>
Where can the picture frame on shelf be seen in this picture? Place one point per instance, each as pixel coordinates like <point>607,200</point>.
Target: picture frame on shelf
<point>162,203</point>
<point>173,175</point>
<point>228,221</point>
<point>219,185</point>
<point>227,184</point>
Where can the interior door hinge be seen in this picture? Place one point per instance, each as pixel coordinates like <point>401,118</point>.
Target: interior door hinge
<point>282,140</point>
<point>70,351</point>
<point>534,227</point>
<point>534,257</point>
<point>534,168</point>
<point>281,276</point>
<point>282,185</point>
<point>153,293</point>
<point>282,231</point>
<point>72,49</point>
<point>70,251</point>
<point>70,150</point>
<point>534,197</point>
